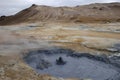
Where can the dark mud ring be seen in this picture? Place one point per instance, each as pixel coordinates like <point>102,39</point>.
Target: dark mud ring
<point>77,65</point>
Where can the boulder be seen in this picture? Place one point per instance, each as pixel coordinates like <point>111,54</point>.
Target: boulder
<point>2,17</point>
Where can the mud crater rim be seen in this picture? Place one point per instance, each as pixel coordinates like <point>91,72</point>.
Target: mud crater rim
<point>78,65</point>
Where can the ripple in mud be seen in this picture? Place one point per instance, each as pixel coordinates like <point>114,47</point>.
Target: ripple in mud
<point>117,46</point>
<point>77,65</point>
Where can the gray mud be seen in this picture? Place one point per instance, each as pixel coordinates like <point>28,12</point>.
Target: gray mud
<point>115,48</point>
<point>78,65</point>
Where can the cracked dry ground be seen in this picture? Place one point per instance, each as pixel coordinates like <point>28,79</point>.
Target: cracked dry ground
<point>17,40</point>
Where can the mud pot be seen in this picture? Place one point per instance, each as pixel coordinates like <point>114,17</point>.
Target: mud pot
<point>67,63</point>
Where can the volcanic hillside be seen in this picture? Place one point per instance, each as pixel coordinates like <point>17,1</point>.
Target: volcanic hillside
<point>99,12</point>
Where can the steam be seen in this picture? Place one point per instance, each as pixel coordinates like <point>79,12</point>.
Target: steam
<point>11,42</point>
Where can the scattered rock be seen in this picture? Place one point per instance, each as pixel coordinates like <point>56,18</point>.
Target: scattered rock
<point>33,4</point>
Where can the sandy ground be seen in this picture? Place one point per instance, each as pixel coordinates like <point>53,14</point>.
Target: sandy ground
<point>89,38</point>
<point>86,37</point>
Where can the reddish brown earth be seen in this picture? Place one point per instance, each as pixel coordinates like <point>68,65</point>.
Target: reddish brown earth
<point>103,12</point>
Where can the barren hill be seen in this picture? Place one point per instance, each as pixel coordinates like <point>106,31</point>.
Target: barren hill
<point>99,12</point>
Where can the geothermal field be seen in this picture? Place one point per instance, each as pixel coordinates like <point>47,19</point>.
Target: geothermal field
<point>61,43</point>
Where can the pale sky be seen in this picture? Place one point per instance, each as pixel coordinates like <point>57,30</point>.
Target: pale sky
<point>10,7</point>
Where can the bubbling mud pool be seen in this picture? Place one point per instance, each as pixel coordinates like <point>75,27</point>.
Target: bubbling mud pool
<point>76,65</point>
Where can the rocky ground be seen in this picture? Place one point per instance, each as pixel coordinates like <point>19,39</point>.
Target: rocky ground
<point>17,40</point>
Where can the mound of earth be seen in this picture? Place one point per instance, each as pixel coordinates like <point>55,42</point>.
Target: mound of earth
<point>99,12</point>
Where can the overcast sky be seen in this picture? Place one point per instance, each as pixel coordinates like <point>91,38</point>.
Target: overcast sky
<point>10,7</point>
